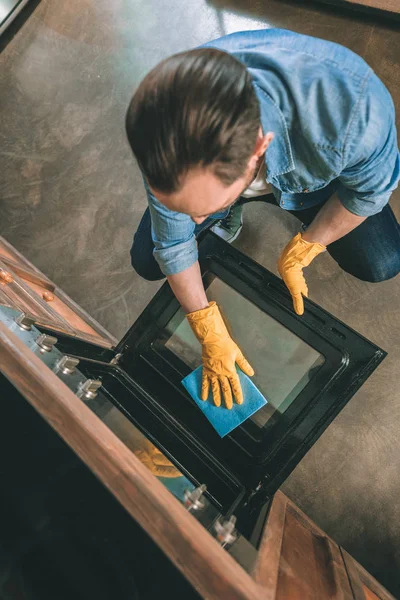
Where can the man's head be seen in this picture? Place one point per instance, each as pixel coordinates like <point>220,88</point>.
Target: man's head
<point>194,127</point>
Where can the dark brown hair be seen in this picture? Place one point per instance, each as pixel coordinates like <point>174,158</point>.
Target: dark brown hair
<point>194,109</point>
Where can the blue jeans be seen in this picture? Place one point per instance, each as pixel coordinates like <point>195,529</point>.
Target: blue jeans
<point>371,252</point>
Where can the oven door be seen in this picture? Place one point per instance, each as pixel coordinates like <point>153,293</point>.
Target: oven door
<point>307,367</point>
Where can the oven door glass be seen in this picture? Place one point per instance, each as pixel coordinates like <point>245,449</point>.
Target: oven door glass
<point>283,362</point>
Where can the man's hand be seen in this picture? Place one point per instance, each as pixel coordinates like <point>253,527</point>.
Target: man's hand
<point>295,256</point>
<point>331,223</point>
<point>220,355</point>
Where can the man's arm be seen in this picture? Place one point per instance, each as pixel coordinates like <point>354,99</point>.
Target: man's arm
<point>220,354</point>
<point>331,223</point>
<point>176,252</point>
<point>371,168</point>
<point>189,289</point>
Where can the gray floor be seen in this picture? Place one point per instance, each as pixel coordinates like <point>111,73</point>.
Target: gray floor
<point>71,198</point>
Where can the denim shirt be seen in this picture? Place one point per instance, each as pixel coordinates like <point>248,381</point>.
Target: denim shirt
<point>333,121</point>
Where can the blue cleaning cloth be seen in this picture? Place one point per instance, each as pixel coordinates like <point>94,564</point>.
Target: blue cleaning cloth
<point>222,419</point>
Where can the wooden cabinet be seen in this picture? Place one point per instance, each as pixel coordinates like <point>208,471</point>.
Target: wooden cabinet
<point>298,561</point>
<point>309,564</point>
<point>363,585</point>
<point>24,287</point>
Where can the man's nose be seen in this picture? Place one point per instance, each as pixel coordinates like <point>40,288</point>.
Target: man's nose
<point>199,220</point>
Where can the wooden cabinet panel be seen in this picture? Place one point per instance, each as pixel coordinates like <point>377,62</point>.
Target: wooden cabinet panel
<point>9,253</point>
<point>364,586</point>
<point>61,308</point>
<point>27,273</point>
<point>18,296</point>
<point>297,560</point>
<point>266,571</point>
<point>31,291</point>
<point>4,299</point>
<point>369,594</point>
<point>306,566</point>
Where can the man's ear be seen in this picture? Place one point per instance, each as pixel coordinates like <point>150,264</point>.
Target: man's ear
<point>263,141</point>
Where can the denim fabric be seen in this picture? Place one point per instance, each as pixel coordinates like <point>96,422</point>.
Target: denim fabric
<point>174,235</point>
<point>144,252</point>
<point>371,252</point>
<point>333,120</point>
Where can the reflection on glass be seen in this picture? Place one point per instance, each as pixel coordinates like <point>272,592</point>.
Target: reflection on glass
<point>283,363</point>
<point>146,452</point>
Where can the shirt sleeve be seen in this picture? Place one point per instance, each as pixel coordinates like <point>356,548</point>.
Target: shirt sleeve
<point>371,156</point>
<point>175,246</point>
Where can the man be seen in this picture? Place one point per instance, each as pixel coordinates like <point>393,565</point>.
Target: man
<point>249,114</point>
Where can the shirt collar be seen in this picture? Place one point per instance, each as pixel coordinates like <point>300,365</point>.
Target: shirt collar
<point>278,157</point>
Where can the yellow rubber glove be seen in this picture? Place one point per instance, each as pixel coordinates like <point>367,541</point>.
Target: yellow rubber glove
<point>220,354</point>
<point>154,460</point>
<point>295,256</point>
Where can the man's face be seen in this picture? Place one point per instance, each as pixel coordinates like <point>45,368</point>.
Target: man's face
<point>202,193</point>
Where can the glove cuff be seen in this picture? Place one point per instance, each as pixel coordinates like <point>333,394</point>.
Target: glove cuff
<point>207,323</point>
<point>203,312</point>
<point>300,252</point>
<point>312,246</point>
